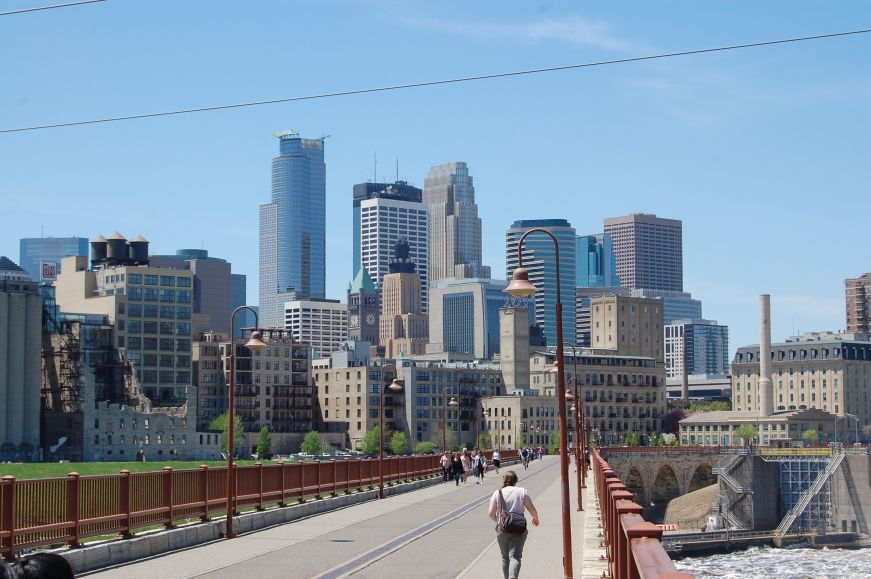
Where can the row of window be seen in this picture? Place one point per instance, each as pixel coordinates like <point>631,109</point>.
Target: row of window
<point>150,279</point>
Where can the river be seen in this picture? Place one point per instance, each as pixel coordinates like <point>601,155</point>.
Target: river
<point>787,563</point>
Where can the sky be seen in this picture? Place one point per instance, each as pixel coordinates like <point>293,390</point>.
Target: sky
<point>763,153</point>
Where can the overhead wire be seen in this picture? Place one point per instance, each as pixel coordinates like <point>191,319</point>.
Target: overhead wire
<point>457,80</point>
<point>52,7</point>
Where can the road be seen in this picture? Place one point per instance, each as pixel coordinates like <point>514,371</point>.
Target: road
<point>439,531</point>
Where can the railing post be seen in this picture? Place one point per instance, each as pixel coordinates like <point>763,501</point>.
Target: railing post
<point>318,478</point>
<point>7,524</point>
<point>259,466</point>
<point>167,495</point>
<point>620,563</point>
<point>204,491</point>
<point>281,502</point>
<point>73,508</point>
<point>124,506</point>
<point>335,477</point>
<point>347,476</point>
<point>234,500</point>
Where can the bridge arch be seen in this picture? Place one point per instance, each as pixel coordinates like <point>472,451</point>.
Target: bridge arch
<point>665,485</point>
<point>702,477</point>
<point>634,482</point>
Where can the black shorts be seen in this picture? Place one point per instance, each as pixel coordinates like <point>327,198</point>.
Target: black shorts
<point>496,462</point>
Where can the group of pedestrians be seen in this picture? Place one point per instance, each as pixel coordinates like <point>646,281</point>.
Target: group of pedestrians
<point>456,466</point>
<point>528,454</point>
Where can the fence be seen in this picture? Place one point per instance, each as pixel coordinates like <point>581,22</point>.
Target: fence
<point>633,545</point>
<point>60,511</point>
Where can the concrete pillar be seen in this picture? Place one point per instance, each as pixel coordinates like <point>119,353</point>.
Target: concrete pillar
<point>514,348</point>
<point>766,393</point>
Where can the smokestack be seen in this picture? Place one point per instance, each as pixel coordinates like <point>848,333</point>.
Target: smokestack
<point>766,391</point>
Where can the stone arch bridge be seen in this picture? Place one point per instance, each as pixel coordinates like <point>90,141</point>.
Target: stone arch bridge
<point>655,475</point>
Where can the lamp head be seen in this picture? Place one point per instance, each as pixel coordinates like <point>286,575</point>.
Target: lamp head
<point>520,286</point>
<point>395,385</point>
<point>569,395</point>
<point>255,342</point>
<point>453,402</point>
<point>555,368</point>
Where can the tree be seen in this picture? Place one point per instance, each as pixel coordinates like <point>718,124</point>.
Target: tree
<point>398,442</point>
<point>554,446</point>
<point>632,439</point>
<point>450,440</point>
<point>668,439</point>
<point>521,440</point>
<point>425,447</point>
<point>746,432</point>
<point>707,407</point>
<point>810,436</point>
<point>484,442</point>
<point>264,443</point>
<point>371,444</point>
<point>220,424</point>
<point>311,444</point>
<point>671,421</point>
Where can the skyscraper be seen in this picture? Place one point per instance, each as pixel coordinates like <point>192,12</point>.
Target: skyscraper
<point>702,344</point>
<point>51,249</point>
<point>539,259</point>
<point>454,225</point>
<point>597,266</point>
<point>398,191</point>
<point>648,250</point>
<point>403,326</point>
<point>858,290</point>
<point>293,227</point>
<point>464,316</point>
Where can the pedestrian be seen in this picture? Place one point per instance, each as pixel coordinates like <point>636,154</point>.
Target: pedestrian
<point>496,461</point>
<point>446,466</point>
<point>481,466</point>
<point>43,566</point>
<point>524,457</point>
<point>466,459</point>
<point>540,453</point>
<point>456,468</point>
<point>511,499</point>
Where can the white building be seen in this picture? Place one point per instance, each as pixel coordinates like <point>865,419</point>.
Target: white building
<point>321,323</point>
<point>383,222</point>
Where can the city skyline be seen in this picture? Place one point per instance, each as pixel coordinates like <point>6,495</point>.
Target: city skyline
<point>713,141</point>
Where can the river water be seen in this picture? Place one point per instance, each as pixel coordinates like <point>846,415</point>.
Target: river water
<point>787,563</point>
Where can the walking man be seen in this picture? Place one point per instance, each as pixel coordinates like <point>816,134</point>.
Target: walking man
<point>445,462</point>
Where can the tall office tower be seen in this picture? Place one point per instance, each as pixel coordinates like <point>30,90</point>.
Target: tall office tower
<point>454,225</point>
<point>20,363</point>
<point>631,326</point>
<point>597,265</point>
<point>293,227</point>
<point>649,251</point>
<point>363,309</point>
<point>398,191</point>
<point>404,327</point>
<point>383,221</point>
<point>702,344</point>
<point>464,316</point>
<point>216,289</point>
<point>49,249</point>
<point>539,259</point>
<point>321,323</point>
<point>858,291</point>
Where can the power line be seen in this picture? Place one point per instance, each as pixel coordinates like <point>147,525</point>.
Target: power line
<point>38,8</point>
<point>426,83</point>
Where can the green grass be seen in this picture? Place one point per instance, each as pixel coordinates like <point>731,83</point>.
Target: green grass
<point>54,469</point>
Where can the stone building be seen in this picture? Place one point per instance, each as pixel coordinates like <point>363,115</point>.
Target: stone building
<point>785,429</point>
<point>208,373</point>
<point>515,421</point>
<point>629,326</point>
<point>404,327</point>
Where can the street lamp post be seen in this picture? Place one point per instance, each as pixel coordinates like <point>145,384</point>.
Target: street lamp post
<point>578,410</point>
<point>395,386</point>
<point>452,402</point>
<point>255,344</point>
<point>521,287</point>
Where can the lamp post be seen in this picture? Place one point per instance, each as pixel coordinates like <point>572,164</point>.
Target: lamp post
<point>578,410</point>
<point>452,402</point>
<point>395,386</point>
<point>521,287</point>
<point>255,344</point>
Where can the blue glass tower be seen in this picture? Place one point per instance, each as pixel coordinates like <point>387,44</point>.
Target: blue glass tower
<point>539,258</point>
<point>53,249</point>
<point>293,227</point>
<point>597,265</point>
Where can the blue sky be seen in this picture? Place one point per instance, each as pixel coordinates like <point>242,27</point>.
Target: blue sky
<point>763,153</point>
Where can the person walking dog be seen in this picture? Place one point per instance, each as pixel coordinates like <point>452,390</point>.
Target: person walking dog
<point>506,508</point>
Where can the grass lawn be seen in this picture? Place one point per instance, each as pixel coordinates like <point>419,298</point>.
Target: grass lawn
<point>55,469</point>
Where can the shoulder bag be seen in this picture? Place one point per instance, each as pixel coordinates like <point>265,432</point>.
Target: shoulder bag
<point>509,521</point>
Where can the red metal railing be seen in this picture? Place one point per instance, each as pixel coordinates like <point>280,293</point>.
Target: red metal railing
<point>633,545</point>
<point>57,511</point>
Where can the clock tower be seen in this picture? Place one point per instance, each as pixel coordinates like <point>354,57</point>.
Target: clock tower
<point>363,309</point>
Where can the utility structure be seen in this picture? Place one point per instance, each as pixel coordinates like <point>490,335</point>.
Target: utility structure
<point>395,386</point>
<point>521,287</point>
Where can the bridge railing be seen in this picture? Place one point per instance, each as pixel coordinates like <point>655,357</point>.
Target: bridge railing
<point>67,510</point>
<point>633,545</point>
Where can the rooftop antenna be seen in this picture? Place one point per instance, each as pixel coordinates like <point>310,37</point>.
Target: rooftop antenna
<point>397,168</point>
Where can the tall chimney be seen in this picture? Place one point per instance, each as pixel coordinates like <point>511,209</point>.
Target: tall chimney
<point>766,391</point>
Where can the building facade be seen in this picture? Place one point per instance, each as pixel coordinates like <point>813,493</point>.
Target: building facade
<point>364,312</point>
<point>34,250</point>
<point>826,371</point>
<point>404,328</point>
<point>703,345</point>
<point>782,430</point>
<point>464,316</point>
<point>629,326</point>
<point>858,292</point>
<point>517,421</point>
<point>596,263</point>
<point>648,251</point>
<point>539,259</point>
<point>293,227</point>
<point>322,324</point>
<point>208,374</point>
<point>454,225</point>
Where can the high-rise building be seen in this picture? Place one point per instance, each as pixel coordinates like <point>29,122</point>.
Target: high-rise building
<point>398,191</point>
<point>454,225</point>
<point>404,327</point>
<point>675,305</point>
<point>321,323</point>
<point>648,251</point>
<point>293,227</point>
<point>464,316</point>
<point>858,291</point>
<point>49,249</point>
<point>20,363</point>
<point>631,326</point>
<point>539,259</point>
<point>702,344</point>
<point>384,220</point>
<point>363,309</point>
<point>596,264</point>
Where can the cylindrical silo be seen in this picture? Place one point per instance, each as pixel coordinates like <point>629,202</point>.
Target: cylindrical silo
<point>117,248</point>
<point>139,250</point>
<point>98,249</point>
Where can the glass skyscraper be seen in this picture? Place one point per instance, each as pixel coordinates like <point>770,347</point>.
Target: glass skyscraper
<point>539,259</point>
<point>597,266</point>
<point>293,227</point>
<point>36,249</point>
